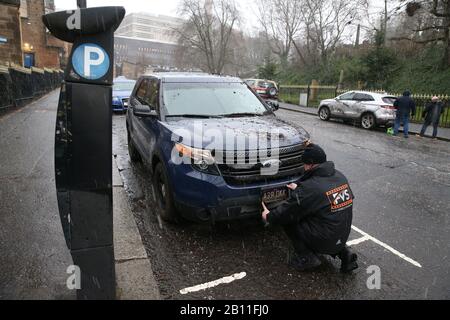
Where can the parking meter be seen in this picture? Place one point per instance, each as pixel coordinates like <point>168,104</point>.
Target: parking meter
<point>83,144</point>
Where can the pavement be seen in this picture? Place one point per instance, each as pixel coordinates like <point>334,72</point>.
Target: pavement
<point>34,256</point>
<point>414,128</point>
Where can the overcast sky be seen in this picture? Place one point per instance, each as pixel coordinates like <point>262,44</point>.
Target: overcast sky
<point>170,7</point>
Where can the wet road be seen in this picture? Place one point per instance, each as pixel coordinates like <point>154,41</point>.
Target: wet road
<point>401,225</point>
<point>33,254</point>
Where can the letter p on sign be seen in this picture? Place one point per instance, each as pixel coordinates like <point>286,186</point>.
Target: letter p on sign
<point>90,61</point>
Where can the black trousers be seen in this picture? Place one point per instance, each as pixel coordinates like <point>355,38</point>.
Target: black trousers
<point>425,126</point>
<point>302,247</point>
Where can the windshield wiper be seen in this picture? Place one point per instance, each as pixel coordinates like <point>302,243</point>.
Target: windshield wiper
<point>243,114</point>
<point>201,116</point>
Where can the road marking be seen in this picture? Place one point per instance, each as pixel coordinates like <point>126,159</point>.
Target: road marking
<point>215,283</point>
<point>384,245</point>
<point>357,241</point>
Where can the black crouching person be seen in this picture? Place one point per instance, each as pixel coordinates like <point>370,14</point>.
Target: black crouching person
<point>317,217</point>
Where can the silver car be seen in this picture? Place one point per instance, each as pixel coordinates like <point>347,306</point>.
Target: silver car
<point>367,108</point>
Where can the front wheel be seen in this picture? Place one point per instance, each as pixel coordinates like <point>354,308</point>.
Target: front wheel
<point>324,113</point>
<point>368,121</point>
<point>164,195</point>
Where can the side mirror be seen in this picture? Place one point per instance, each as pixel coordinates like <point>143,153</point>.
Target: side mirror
<point>273,105</point>
<point>144,111</point>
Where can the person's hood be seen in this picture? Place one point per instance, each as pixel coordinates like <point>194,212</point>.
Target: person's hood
<point>325,169</point>
<point>217,133</point>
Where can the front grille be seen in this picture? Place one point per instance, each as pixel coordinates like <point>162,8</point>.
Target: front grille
<point>291,165</point>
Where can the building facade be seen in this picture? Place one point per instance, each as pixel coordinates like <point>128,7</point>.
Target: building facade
<point>145,42</point>
<point>24,40</point>
<point>39,47</point>
<point>10,32</point>
<point>157,28</point>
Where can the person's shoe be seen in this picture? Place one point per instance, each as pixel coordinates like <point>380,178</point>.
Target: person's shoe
<point>348,260</point>
<point>305,262</point>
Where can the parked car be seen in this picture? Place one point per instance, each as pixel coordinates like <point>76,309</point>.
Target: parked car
<point>267,89</point>
<point>122,89</point>
<point>367,108</point>
<point>164,114</point>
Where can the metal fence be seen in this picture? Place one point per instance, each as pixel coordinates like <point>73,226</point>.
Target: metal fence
<point>19,85</point>
<point>311,95</point>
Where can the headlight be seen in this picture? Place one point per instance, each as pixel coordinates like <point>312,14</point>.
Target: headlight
<point>201,160</point>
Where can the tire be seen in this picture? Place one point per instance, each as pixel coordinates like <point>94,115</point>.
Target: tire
<point>272,92</point>
<point>368,121</point>
<point>164,195</point>
<point>324,113</point>
<point>132,151</point>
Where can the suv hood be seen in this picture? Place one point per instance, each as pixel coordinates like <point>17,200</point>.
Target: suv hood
<point>252,129</point>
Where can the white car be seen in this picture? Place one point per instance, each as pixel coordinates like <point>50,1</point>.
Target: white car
<point>367,108</point>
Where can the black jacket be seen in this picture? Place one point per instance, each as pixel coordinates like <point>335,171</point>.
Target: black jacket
<point>405,106</point>
<point>321,207</point>
<point>428,112</point>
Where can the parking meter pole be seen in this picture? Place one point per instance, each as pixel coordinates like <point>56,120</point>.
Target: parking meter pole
<point>83,144</point>
<point>81,3</point>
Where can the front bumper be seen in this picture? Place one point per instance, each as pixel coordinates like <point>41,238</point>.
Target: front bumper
<point>203,197</point>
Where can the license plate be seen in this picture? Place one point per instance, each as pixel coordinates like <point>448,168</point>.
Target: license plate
<point>274,194</point>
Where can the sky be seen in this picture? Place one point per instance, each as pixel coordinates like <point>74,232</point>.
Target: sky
<point>170,7</point>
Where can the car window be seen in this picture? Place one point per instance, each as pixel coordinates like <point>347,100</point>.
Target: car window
<point>142,90</point>
<point>124,86</point>
<point>262,84</point>
<point>152,93</point>
<point>212,99</point>
<point>389,100</point>
<point>347,96</point>
<point>363,97</point>
<point>250,82</point>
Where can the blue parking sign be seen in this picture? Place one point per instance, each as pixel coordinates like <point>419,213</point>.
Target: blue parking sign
<point>90,61</point>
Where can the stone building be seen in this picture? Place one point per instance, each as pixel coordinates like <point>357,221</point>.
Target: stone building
<point>10,34</point>
<point>39,47</point>
<point>24,40</point>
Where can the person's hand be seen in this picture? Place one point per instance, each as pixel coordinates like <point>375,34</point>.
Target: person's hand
<point>292,186</point>
<point>308,142</point>
<point>265,212</point>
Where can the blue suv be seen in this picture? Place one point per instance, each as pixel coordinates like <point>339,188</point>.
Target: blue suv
<point>215,148</point>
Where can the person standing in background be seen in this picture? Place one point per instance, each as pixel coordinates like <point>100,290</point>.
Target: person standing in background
<point>432,115</point>
<point>405,107</point>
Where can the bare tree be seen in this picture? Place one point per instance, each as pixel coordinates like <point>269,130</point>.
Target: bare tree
<point>432,24</point>
<point>208,31</point>
<point>282,22</point>
<point>326,23</point>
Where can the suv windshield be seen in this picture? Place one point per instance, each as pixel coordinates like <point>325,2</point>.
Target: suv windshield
<point>213,99</point>
<point>123,86</point>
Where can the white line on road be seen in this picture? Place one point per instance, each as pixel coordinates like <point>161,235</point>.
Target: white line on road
<point>384,245</point>
<point>357,241</point>
<point>214,283</point>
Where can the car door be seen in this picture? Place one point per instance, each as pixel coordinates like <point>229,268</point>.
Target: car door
<point>135,122</point>
<point>150,125</point>
<point>343,104</point>
<point>361,104</point>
